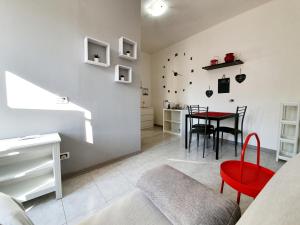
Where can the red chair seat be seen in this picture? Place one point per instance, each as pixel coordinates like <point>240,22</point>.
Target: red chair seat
<point>253,180</point>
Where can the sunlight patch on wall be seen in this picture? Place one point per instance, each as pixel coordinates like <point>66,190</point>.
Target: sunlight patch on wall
<point>22,94</point>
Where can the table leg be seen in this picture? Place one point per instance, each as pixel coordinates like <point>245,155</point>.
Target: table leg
<point>186,130</point>
<point>209,123</point>
<point>217,141</point>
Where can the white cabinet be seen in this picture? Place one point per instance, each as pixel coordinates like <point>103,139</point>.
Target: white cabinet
<point>173,121</point>
<point>30,167</point>
<point>289,131</point>
<point>147,117</point>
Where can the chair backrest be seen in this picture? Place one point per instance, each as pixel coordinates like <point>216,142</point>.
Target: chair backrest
<point>244,152</point>
<point>241,112</point>
<point>194,109</point>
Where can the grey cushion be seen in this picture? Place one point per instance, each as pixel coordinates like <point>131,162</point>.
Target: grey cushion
<point>185,201</point>
<point>132,209</point>
<point>11,212</point>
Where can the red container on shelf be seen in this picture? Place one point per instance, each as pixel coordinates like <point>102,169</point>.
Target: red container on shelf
<point>229,57</point>
<point>214,62</point>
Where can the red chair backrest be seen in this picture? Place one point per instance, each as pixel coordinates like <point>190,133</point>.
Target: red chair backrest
<point>244,151</point>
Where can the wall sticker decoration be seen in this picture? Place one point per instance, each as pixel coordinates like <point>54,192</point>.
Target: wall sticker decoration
<point>176,80</point>
<point>224,85</point>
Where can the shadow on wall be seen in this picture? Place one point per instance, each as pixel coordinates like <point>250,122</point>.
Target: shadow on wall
<point>22,94</point>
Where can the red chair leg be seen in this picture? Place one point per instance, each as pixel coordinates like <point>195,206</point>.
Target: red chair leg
<point>222,187</point>
<point>238,198</point>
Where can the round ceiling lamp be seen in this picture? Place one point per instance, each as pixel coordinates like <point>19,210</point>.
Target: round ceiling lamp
<point>156,7</point>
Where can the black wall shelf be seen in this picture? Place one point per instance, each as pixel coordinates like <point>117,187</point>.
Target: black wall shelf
<point>222,65</point>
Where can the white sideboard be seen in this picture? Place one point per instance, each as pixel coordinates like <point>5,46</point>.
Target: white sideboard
<point>173,121</point>
<point>30,166</point>
<point>147,117</point>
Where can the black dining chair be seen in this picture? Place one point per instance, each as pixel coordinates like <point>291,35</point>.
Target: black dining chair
<point>204,129</point>
<point>239,129</point>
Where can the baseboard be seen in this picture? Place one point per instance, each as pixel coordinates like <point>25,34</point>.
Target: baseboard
<point>252,147</point>
<point>100,165</point>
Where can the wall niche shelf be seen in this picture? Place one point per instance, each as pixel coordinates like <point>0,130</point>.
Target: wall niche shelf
<point>127,49</point>
<point>94,47</point>
<point>222,65</point>
<point>123,74</point>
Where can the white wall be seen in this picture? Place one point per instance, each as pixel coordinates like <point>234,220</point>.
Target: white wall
<point>146,78</point>
<point>267,38</point>
<point>41,43</point>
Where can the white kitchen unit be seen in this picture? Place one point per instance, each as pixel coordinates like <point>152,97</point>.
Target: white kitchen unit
<point>173,121</point>
<point>289,131</point>
<point>30,166</point>
<point>147,117</point>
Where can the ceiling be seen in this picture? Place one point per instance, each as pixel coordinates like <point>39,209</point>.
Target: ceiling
<point>187,17</point>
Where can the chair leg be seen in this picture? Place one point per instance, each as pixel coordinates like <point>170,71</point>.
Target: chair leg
<point>222,187</point>
<point>238,198</point>
<point>214,140</point>
<point>222,139</point>
<point>190,140</point>
<point>197,140</point>
<point>235,144</point>
<point>242,140</point>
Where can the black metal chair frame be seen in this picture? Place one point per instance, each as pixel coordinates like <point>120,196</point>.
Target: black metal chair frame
<point>204,129</point>
<point>240,112</point>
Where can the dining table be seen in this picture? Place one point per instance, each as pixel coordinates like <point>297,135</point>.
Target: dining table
<point>211,116</point>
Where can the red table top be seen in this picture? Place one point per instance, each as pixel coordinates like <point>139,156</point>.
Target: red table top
<point>215,114</point>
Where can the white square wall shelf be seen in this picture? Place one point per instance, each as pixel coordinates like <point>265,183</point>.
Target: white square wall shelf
<point>94,48</point>
<point>123,74</point>
<point>127,49</point>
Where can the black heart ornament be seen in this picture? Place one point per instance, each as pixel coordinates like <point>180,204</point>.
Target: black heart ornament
<point>240,78</point>
<point>209,93</point>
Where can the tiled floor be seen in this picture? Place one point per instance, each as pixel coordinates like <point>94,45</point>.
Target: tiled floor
<point>88,193</point>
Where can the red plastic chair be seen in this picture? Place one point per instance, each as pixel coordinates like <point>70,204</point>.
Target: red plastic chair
<point>245,177</point>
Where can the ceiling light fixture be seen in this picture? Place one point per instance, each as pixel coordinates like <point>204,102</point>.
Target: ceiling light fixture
<point>157,7</point>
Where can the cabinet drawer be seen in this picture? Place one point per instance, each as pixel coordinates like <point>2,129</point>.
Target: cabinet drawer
<point>147,124</point>
<point>146,111</point>
<point>146,117</point>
